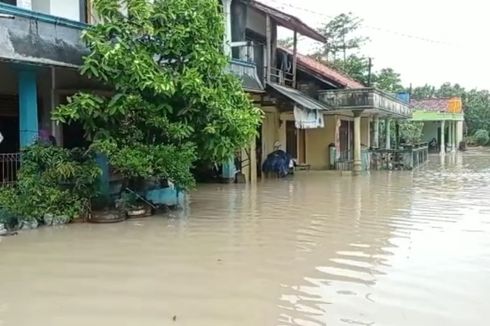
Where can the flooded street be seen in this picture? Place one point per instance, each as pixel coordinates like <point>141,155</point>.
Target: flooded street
<point>392,248</point>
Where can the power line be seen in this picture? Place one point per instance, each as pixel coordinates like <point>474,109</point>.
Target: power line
<point>385,30</point>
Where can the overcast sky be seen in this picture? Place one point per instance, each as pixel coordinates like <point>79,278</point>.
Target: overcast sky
<point>460,30</point>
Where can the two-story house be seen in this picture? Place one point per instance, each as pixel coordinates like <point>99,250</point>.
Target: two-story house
<point>308,107</point>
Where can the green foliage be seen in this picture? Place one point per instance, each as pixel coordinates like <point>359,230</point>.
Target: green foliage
<point>342,40</point>
<point>411,131</point>
<point>173,101</point>
<point>52,180</point>
<point>287,43</point>
<point>481,137</point>
<point>355,66</point>
<point>388,80</point>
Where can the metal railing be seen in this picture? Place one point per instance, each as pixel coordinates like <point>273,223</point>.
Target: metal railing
<point>9,166</point>
<point>405,158</point>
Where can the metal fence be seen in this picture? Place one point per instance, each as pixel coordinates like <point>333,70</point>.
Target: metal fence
<point>9,165</point>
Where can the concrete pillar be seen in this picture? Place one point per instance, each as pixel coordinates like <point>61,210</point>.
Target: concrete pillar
<point>388,133</point>
<point>357,166</point>
<point>450,135</point>
<point>376,132</point>
<point>28,116</point>
<point>443,137</point>
<point>459,132</point>
<point>455,135</point>
<point>227,21</point>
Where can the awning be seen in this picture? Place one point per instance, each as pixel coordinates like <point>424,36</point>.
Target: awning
<point>301,99</point>
<point>247,73</point>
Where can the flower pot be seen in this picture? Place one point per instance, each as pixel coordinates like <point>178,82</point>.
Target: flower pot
<point>107,216</point>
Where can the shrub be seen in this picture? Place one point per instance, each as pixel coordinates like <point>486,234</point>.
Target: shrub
<point>52,181</point>
<point>481,137</point>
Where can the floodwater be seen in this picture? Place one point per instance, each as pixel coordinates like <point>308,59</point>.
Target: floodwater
<point>399,248</point>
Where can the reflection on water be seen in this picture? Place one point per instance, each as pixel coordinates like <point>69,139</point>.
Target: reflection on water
<point>394,248</point>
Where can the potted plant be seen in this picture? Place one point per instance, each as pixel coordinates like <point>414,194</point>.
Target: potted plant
<point>104,210</point>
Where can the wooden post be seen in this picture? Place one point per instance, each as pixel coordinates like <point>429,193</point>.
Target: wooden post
<point>268,47</point>
<point>295,57</point>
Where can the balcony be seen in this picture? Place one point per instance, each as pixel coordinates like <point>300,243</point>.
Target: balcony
<point>367,100</point>
<point>244,67</point>
<point>32,37</point>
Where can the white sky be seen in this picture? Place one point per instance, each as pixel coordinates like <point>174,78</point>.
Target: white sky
<point>461,29</point>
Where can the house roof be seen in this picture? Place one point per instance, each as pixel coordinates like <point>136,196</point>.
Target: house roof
<point>432,104</point>
<point>288,21</point>
<point>326,71</point>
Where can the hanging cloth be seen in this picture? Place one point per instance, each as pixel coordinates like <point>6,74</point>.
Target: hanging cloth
<point>308,119</point>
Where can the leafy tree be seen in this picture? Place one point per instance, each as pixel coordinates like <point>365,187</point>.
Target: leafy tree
<point>173,102</point>
<point>342,40</point>
<point>481,137</point>
<point>476,104</point>
<point>388,80</point>
<point>423,92</point>
<point>355,66</point>
<point>411,131</point>
<point>287,42</point>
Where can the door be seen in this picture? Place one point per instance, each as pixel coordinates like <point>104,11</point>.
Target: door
<point>291,139</point>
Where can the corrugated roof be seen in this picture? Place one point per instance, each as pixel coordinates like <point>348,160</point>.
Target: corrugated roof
<point>288,21</point>
<point>299,98</point>
<point>326,71</point>
<point>432,104</point>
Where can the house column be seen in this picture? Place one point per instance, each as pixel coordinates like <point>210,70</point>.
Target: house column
<point>28,116</point>
<point>455,136</point>
<point>459,131</point>
<point>227,21</point>
<point>388,133</point>
<point>376,132</point>
<point>357,166</point>
<point>451,136</point>
<point>443,140</point>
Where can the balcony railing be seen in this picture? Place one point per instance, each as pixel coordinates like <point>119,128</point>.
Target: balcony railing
<point>9,166</point>
<point>281,77</point>
<point>365,99</point>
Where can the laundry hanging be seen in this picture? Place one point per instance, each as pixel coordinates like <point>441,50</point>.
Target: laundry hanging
<point>308,119</point>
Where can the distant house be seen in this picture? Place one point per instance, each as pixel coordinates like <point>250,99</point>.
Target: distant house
<point>443,120</point>
<point>309,107</point>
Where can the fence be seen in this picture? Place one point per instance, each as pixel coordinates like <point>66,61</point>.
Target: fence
<point>9,165</point>
<point>405,158</point>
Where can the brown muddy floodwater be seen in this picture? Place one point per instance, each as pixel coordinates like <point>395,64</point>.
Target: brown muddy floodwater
<point>397,248</point>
